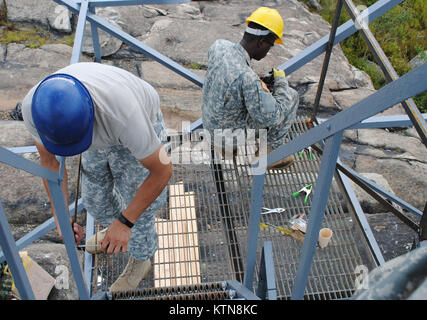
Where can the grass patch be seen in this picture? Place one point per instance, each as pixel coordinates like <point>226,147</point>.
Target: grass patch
<point>31,38</point>
<point>401,33</point>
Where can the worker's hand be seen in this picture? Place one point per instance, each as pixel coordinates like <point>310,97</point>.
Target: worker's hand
<point>117,238</point>
<point>278,73</point>
<point>77,230</point>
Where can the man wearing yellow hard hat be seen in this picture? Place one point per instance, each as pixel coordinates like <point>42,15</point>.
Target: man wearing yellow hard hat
<point>234,97</point>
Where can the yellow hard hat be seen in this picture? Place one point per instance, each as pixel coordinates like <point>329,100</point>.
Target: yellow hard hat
<point>268,18</point>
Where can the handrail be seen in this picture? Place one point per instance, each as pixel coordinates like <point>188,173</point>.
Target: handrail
<point>331,131</point>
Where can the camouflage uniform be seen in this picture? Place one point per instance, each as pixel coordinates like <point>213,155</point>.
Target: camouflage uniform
<point>235,97</point>
<point>401,278</point>
<point>110,178</point>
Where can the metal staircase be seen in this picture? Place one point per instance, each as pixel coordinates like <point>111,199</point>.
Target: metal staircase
<point>211,245</point>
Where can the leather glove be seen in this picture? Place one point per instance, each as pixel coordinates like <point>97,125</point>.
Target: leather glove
<point>278,73</point>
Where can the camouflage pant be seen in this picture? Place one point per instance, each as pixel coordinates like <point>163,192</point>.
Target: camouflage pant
<point>276,134</point>
<point>110,179</point>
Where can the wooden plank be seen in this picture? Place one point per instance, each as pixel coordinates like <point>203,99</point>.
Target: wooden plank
<point>176,262</point>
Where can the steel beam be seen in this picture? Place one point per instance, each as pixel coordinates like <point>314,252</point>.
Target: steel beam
<point>10,251</point>
<point>360,216</point>
<point>378,122</point>
<point>329,47</point>
<point>41,230</point>
<point>242,291</point>
<point>80,30</point>
<point>267,280</point>
<point>134,43</point>
<point>344,31</point>
<point>14,160</point>
<point>95,37</point>
<point>411,84</point>
<point>89,258</point>
<point>389,72</point>
<point>317,211</point>
<point>253,228</point>
<point>68,236</point>
<point>351,173</point>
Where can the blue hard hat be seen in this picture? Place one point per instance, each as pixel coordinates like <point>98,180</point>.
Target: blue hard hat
<point>63,113</point>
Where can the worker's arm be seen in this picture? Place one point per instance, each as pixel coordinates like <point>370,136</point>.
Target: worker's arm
<point>266,107</point>
<point>48,160</point>
<point>118,234</point>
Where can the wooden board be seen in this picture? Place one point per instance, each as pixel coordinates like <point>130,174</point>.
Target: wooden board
<point>176,262</point>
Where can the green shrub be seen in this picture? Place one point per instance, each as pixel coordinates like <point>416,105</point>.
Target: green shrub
<point>401,33</point>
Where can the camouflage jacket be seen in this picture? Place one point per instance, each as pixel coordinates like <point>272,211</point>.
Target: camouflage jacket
<point>233,92</point>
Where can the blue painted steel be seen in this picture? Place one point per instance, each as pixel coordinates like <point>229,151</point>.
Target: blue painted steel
<point>95,37</point>
<point>385,122</point>
<point>14,160</point>
<point>68,236</point>
<point>411,84</point>
<point>385,193</point>
<point>320,198</point>
<point>360,215</point>
<point>61,171</point>
<point>343,32</point>
<point>242,291</point>
<point>253,227</point>
<point>41,230</point>
<point>28,149</point>
<point>78,39</point>
<point>14,261</point>
<point>389,73</point>
<point>267,280</point>
<point>134,43</point>
<point>89,261</point>
<point>327,57</point>
<point>112,3</point>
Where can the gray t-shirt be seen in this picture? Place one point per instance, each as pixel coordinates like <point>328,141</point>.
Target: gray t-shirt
<point>125,108</point>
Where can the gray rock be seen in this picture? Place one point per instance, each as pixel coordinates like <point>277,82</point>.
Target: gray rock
<point>45,14</point>
<point>108,44</point>
<point>369,204</point>
<point>25,67</point>
<point>398,158</point>
<point>22,194</point>
<point>54,259</point>
<point>419,60</point>
<point>176,93</point>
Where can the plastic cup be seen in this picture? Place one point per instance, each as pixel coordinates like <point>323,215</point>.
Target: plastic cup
<point>325,236</point>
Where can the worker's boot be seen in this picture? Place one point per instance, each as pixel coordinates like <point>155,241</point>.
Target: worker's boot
<point>281,164</point>
<point>95,247</point>
<point>135,271</point>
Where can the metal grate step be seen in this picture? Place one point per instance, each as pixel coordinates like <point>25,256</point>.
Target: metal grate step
<point>203,230</point>
<point>204,291</point>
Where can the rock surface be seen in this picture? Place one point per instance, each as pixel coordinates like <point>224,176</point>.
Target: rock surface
<point>395,160</point>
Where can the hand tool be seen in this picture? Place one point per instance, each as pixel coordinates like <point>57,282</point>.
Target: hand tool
<point>309,149</point>
<point>275,210</point>
<point>307,190</point>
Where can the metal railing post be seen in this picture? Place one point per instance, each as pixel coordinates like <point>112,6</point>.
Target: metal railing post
<point>328,53</point>
<point>388,70</point>
<point>253,229</point>
<point>67,232</point>
<point>320,198</point>
<point>80,30</point>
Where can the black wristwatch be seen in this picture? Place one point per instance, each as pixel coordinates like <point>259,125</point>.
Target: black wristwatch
<point>125,221</point>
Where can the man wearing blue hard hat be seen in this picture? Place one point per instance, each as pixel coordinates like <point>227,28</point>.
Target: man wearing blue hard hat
<point>113,119</point>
